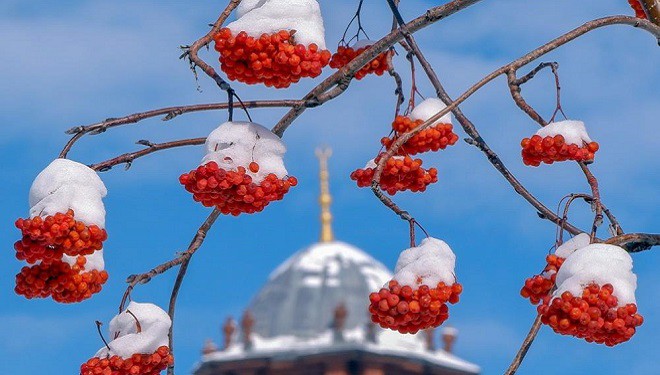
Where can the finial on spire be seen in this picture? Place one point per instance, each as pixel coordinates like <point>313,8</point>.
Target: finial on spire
<point>325,199</point>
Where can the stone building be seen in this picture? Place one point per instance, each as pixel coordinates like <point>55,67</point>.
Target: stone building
<point>311,319</point>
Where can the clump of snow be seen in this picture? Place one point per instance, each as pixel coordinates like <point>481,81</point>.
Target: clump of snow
<point>237,144</point>
<point>430,263</point>
<point>64,185</point>
<point>428,108</point>
<point>154,323</point>
<point>568,247</point>
<point>94,262</point>
<point>257,17</point>
<point>574,132</point>
<point>601,264</point>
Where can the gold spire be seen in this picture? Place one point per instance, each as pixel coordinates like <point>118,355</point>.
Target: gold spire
<point>325,199</point>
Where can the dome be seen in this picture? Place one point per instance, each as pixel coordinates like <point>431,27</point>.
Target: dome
<point>301,295</point>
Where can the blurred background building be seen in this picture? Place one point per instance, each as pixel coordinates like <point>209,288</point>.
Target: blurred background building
<point>311,318</point>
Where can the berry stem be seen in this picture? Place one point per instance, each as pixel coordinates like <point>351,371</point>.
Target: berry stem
<point>98,328</point>
<point>138,326</point>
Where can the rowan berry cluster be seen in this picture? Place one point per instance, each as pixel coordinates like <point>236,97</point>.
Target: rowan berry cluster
<point>137,364</point>
<point>537,150</point>
<point>539,286</point>
<point>399,174</point>
<point>59,280</point>
<point>274,60</point>
<point>46,239</point>
<point>234,192</point>
<point>433,138</point>
<point>595,317</point>
<point>345,55</point>
<point>409,310</point>
<point>637,7</point>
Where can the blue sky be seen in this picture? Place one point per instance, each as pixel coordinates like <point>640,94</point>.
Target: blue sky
<point>71,63</point>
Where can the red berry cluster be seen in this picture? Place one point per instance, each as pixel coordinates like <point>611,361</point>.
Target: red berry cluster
<point>399,174</point>
<point>59,280</point>
<point>637,7</point>
<point>595,317</point>
<point>274,60</point>
<point>46,239</point>
<point>234,192</point>
<point>433,138</point>
<point>548,150</point>
<point>137,364</point>
<point>539,286</point>
<point>345,55</point>
<point>406,310</point>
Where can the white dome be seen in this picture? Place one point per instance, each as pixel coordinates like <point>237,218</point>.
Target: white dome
<point>302,293</point>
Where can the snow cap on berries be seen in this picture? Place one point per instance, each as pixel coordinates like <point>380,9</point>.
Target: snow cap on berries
<point>601,264</point>
<point>430,263</point>
<point>65,185</point>
<point>237,144</point>
<point>568,247</point>
<point>574,132</point>
<point>257,17</point>
<point>154,323</point>
<point>429,107</point>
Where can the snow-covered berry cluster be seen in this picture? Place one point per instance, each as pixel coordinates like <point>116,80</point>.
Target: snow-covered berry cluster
<point>400,173</point>
<point>559,141</point>
<point>417,296</point>
<point>346,54</point>
<point>274,42</point>
<point>637,7</point>
<point>62,240</point>
<point>140,344</point>
<point>595,296</point>
<point>243,170</point>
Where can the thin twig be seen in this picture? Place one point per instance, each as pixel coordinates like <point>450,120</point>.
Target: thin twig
<point>129,157</point>
<point>187,256</point>
<point>169,113</point>
<point>192,54</point>
<point>196,242</point>
<point>517,360</point>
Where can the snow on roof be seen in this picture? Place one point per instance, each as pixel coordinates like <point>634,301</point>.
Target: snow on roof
<point>388,343</point>
<point>330,257</point>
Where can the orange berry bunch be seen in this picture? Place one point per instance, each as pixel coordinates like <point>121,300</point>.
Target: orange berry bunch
<point>61,281</point>
<point>550,149</point>
<point>637,7</point>
<point>274,60</point>
<point>234,192</point>
<point>434,138</point>
<point>399,174</point>
<point>137,364</point>
<point>46,239</point>
<point>539,286</point>
<point>345,55</point>
<point>595,317</point>
<point>409,310</point>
